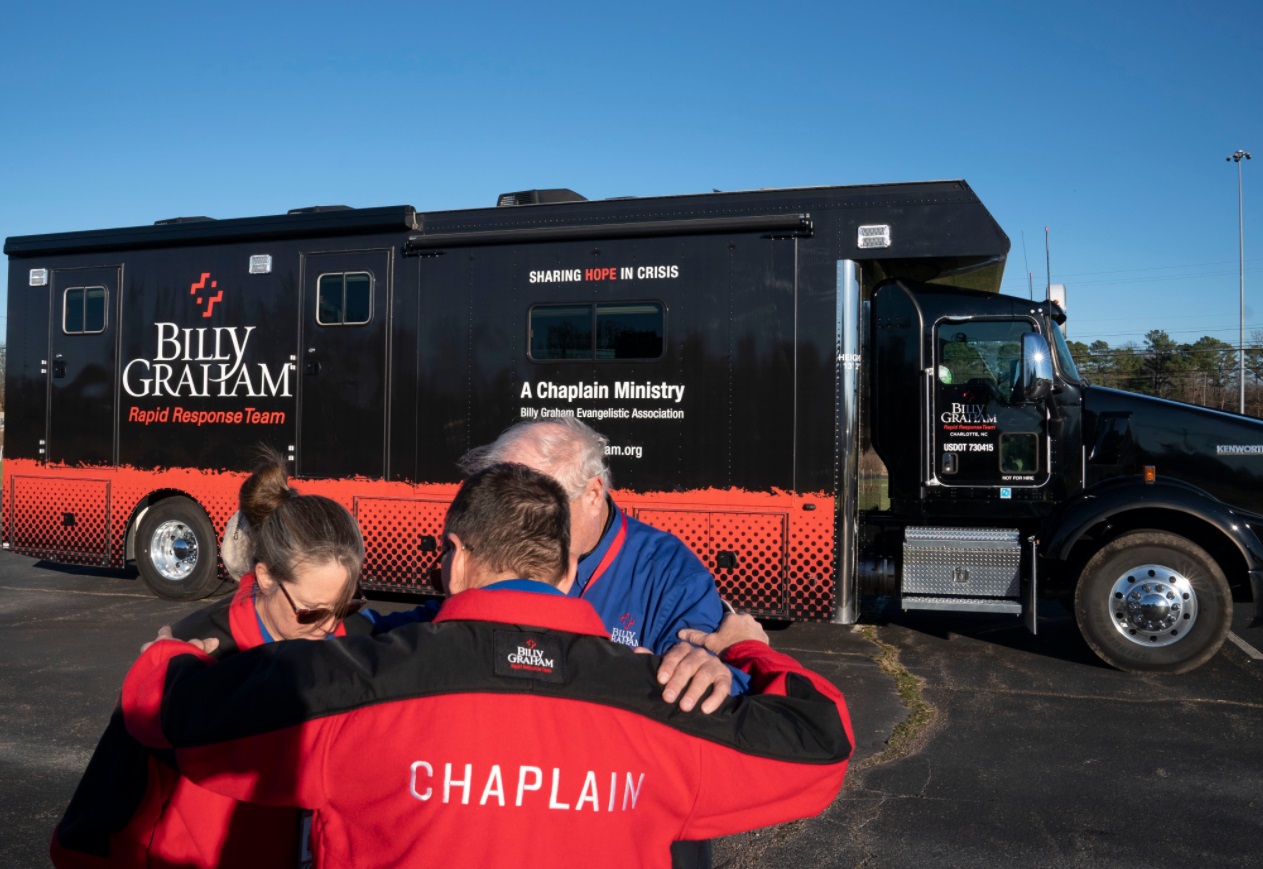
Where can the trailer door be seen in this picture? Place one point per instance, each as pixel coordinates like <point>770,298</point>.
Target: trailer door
<point>81,370</point>
<point>343,357</point>
<point>981,433</point>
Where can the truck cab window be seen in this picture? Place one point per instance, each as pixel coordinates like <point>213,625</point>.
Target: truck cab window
<point>1019,453</point>
<point>602,332</point>
<point>345,299</point>
<point>983,358</point>
<point>84,311</point>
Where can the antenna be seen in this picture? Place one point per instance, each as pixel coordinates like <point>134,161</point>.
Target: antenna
<point>1048,260</point>
<point>1030,286</point>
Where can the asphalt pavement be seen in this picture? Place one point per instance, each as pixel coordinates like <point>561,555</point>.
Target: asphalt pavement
<point>1039,755</point>
<point>977,743</point>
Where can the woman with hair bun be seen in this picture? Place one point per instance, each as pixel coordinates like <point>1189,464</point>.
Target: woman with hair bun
<point>302,556</point>
<point>306,552</point>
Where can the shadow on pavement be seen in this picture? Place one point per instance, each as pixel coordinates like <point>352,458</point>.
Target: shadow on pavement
<point>1058,637</point>
<point>89,570</point>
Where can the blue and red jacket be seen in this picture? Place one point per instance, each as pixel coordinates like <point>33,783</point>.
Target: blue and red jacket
<point>509,729</point>
<point>646,585</point>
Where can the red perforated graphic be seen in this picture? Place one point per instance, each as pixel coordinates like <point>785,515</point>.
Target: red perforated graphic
<point>757,541</point>
<point>752,543</point>
<point>397,515</point>
<point>407,542</point>
<point>66,518</point>
<point>782,542</point>
<point>782,545</point>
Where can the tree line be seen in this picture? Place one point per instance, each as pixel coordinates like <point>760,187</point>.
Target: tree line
<point>1204,372</point>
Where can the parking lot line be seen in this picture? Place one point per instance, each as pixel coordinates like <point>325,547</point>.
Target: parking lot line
<point>79,591</point>
<point>1245,647</point>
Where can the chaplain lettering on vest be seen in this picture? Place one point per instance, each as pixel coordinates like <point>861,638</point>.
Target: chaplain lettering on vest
<point>509,729</point>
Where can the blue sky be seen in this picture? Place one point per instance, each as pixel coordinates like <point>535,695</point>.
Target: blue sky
<point>1107,122</point>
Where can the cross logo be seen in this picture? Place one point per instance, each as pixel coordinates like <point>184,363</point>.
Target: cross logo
<point>201,285</point>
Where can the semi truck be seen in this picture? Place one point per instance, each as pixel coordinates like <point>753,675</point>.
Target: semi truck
<point>820,390</point>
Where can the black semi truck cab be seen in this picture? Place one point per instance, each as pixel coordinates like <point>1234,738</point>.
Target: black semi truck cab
<point>1010,480</point>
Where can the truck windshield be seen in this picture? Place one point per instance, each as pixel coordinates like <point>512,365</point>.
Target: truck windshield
<point>1064,360</point>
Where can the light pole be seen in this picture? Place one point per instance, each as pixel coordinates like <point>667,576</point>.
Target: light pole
<point>1237,158</point>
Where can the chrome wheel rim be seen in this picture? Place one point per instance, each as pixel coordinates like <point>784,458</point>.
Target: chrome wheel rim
<point>173,550</point>
<point>1153,605</point>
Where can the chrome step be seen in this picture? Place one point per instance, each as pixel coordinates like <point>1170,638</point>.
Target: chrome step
<point>961,604</point>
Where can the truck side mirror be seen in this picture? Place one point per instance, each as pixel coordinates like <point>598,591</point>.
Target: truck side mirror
<point>1037,370</point>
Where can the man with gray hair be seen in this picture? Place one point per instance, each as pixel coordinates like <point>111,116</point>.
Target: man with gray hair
<point>646,585</point>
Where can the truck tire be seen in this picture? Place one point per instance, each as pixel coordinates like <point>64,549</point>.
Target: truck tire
<point>1153,602</point>
<point>175,550</point>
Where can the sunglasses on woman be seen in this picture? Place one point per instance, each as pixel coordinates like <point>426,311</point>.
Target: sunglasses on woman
<point>320,614</point>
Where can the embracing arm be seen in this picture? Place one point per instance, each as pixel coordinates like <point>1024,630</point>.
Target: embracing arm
<point>790,745</point>
<point>691,604</point>
<point>380,623</point>
<point>236,728</point>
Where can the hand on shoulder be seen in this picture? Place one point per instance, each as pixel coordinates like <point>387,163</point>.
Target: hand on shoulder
<point>164,633</point>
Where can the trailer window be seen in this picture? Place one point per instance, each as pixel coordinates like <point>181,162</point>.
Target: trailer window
<point>345,299</point>
<point>561,332</point>
<point>629,331</point>
<point>84,311</point>
<point>615,331</point>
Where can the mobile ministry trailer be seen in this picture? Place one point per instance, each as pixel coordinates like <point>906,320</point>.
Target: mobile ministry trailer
<point>820,390</point>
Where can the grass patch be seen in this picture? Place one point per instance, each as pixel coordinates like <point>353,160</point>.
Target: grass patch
<point>909,733</point>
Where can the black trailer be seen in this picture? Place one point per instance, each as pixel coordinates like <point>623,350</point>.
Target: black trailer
<point>819,390</point>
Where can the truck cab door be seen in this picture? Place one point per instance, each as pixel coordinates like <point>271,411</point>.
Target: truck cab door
<point>982,431</point>
<point>81,369</point>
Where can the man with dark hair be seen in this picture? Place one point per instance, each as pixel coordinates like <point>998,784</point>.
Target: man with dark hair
<point>646,585</point>
<point>518,524</point>
<point>511,727</point>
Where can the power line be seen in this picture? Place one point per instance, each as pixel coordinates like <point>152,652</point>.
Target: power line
<point>1143,279</point>
<point>1138,273</point>
<point>1231,262</point>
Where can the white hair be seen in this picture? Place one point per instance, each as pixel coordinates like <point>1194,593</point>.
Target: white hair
<point>566,449</point>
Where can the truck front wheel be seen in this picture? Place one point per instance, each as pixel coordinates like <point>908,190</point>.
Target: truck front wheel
<point>1153,602</point>
<point>175,550</point>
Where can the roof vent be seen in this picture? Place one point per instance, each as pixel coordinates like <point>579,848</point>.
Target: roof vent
<point>540,197</point>
<point>316,209</point>
<point>181,220</point>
